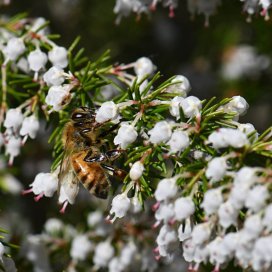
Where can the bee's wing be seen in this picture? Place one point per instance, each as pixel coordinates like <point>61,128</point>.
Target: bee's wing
<point>65,174</point>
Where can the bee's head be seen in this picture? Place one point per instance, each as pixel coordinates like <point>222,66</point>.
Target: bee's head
<point>83,115</point>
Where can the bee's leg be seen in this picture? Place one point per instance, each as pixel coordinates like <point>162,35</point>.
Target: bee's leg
<point>90,157</point>
<point>106,132</point>
<point>114,154</point>
<point>116,171</point>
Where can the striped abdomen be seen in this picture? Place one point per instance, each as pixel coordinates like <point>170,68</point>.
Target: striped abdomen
<point>91,175</point>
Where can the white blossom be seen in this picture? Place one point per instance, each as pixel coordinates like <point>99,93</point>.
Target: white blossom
<point>227,214</point>
<point>45,183</point>
<point>53,225</point>
<point>167,240</point>
<point>191,106</point>
<point>217,256</point>
<point>115,265</point>
<point>107,111</point>
<point>188,247</point>
<point>182,87</point>
<point>160,133</point>
<point>175,106</point>
<point>262,254</point>
<point>212,200</point>
<point>37,60</point>
<point>185,230</point>
<point>256,198</point>
<point>126,135</point>
<point>13,148</point>
<point>68,190</point>
<point>14,119</point>
<point>81,247</point>
<point>165,212</point>
<point>30,126</point>
<point>58,97</point>
<point>120,205</point>
<point>103,254</point>
<point>94,218</point>
<point>216,169</point>
<point>54,76</point>
<point>225,137</point>
<point>184,207</point>
<point>2,251</point>
<point>143,66</point>
<point>166,189</point>
<point>201,233</point>
<point>58,56</point>
<point>127,254</point>
<point>179,141</point>
<point>267,219</point>
<point>136,170</point>
<point>253,225</point>
<point>15,47</point>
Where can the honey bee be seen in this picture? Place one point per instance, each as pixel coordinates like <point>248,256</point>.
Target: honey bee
<point>83,161</point>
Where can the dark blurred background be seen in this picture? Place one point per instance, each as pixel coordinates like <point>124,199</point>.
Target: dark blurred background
<point>229,57</point>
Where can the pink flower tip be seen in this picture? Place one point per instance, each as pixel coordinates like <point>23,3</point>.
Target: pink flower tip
<point>64,206</point>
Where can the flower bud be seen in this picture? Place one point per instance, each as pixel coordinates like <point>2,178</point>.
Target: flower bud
<point>37,60</point>
<point>106,112</point>
<point>58,56</point>
<point>136,171</point>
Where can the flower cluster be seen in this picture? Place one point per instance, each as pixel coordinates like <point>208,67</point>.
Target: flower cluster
<point>123,8</point>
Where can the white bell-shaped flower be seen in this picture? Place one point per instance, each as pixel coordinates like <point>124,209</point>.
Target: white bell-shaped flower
<point>58,56</point>
<point>253,226</point>
<point>267,219</point>
<point>184,207</point>
<point>165,212</point>
<point>256,198</point>
<point>30,127</point>
<point>103,254</point>
<point>175,106</point>
<point>14,119</point>
<point>212,200</point>
<point>128,254</point>
<point>136,170</point>
<point>237,104</point>
<point>185,231</point>
<point>53,225</point>
<point>166,189</point>
<point>2,251</point>
<point>182,87</point>
<point>201,233</point>
<point>179,141</point>
<point>126,135</point>
<point>143,66</point>
<point>191,106</point>
<point>160,133</point>
<point>120,206</point>
<point>13,148</point>
<point>58,97</point>
<point>37,60</point>
<point>227,214</point>
<point>14,48</point>
<point>81,247</point>
<point>216,169</point>
<point>107,111</point>
<point>95,218</point>
<point>54,76</point>
<point>68,190</point>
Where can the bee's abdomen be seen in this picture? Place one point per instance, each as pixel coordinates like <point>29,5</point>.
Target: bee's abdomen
<point>91,175</point>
